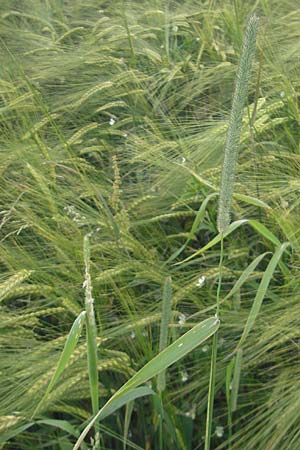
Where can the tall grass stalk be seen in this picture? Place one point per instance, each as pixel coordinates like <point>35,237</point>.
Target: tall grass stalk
<point>212,378</point>
<point>91,329</point>
<point>163,343</point>
<point>227,184</point>
<point>164,325</point>
<point>235,124</point>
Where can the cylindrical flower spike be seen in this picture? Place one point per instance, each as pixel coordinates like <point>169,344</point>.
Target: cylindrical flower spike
<point>235,124</point>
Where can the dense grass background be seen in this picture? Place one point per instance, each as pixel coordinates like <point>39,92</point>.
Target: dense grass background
<point>113,119</point>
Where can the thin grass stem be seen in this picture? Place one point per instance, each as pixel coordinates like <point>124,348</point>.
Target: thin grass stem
<point>213,365</point>
<point>91,330</point>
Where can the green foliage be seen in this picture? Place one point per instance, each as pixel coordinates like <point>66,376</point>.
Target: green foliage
<point>175,351</point>
<point>113,120</point>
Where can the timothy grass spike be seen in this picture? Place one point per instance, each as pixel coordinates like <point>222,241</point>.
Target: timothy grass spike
<point>235,124</point>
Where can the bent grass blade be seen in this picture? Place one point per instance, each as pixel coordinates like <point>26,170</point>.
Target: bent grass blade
<point>160,362</point>
<point>261,292</point>
<point>257,226</point>
<point>245,275</point>
<point>199,217</point>
<point>69,347</point>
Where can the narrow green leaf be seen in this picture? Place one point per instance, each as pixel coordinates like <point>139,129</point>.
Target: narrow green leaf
<point>233,226</point>
<point>263,230</point>
<point>262,289</point>
<point>69,347</point>
<point>260,228</point>
<point>229,372</point>
<point>199,217</point>
<point>245,275</point>
<point>11,434</point>
<point>164,327</point>
<point>127,420</point>
<point>62,424</point>
<point>160,362</point>
<point>129,396</point>
<point>251,200</point>
<point>198,177</point>
<point>236,379</point>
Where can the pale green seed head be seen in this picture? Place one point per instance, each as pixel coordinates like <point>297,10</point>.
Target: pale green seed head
<point>235,124</point>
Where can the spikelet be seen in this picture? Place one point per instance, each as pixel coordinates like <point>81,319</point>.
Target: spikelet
<point>91,92</point>
<point>72,306</point>
<point>12,282</point>
<point>167,216</point>
<point>118,103</point>
<point>9,421</point>
<point>78,135</point>
<point>68,34</point>
<point>25,318</point>
<point>39,125</point>
<point>235,124</point>
<point>29,289</point>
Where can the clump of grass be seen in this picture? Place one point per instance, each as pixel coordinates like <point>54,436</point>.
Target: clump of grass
<point>165,76</point>
<point>227,183</point>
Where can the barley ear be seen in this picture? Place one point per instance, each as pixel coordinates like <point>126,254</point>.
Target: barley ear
<point>235,123</point>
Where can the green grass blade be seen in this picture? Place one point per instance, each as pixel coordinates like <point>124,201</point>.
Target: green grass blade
<point>164,326</point>
<point>160,362</point>
<point>229,371</point>
<point>69,347</point>
<point>264,231</point>
<point>236,379</point>
<point>128,414</point>
<point>262,289</point>
<point>11,434</point>
<point>62,424</point>
<point>245,275</point>
<point>233,226</point>
<point>129,396</point>
<point>199,217</point>
<point>91,330</point>
<point>211,392</point>
<point>228,382</point>
<point>251,200</point>
<point>257,226</point>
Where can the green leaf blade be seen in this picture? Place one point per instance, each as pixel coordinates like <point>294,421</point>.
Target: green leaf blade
<point>177,350</point>
<point>261,292</point>
<point>67,352</point>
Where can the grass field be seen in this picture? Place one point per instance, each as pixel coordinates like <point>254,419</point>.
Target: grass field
<point>113,121</point>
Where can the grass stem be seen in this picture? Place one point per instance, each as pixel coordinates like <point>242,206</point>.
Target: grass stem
<point>213,365</point>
